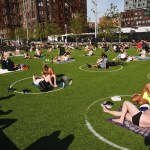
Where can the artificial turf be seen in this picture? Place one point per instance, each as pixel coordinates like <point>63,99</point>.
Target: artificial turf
<point>57,120</point>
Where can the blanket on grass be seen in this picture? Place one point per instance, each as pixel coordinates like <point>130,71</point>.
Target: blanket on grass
<point>68,61</point>
<point>17,55</point>
<point>3,71</point>
<point>134,128</point>
<point>60,83</point>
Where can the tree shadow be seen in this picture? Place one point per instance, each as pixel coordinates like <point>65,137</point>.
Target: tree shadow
<point>52,142</point>
<point>5,112</point>
<point>147,141</point>
<point>7,97</point>
<point>5,142</point>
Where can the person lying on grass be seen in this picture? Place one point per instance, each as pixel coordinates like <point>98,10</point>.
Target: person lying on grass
<point>102,62</point>
<point>37,80</point>
<point>62,58</point>
<point>47,71</point>
<point>144,97</point>
<point>131,113</point>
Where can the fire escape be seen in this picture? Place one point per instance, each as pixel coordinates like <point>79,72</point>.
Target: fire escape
<point>8,16</point>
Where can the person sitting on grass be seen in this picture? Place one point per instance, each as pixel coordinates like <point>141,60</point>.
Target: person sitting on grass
<point>131,113</point>
<point>89,50</point>
<point>47,71</point>
<point>26,54</point>
<point>38,53</point>
<point>102,62</point>
<point>122,56</point>
<point>144,97</point>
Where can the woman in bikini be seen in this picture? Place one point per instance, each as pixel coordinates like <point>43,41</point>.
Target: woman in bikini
<point>131,113</point>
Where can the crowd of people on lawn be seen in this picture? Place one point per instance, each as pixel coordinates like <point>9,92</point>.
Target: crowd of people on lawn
<point>129,110</point>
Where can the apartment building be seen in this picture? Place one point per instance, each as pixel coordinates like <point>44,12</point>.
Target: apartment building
<point>26,13</point>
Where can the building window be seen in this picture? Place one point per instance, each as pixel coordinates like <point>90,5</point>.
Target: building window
<point>40,3</point>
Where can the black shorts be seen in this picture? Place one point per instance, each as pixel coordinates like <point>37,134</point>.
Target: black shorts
<point>136,118</point>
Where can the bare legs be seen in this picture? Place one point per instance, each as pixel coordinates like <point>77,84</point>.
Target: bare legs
<point>54,80</point>
<point>128,110</point>
<point>48,78</point>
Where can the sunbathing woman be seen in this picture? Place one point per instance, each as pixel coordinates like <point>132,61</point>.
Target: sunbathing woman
<point>132,114</point>
<point>62,58</point>
<point>144,97</point>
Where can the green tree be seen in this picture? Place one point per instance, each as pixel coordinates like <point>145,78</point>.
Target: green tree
<point>52,29</point>
<point>110,23</point>
<point>39,32</point>
<point>20,33</point>
<point>78,25</point>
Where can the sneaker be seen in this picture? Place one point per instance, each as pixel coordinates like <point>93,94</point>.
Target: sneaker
<point>89,66</point>
<point>108,104</point>
<point>116,98</point>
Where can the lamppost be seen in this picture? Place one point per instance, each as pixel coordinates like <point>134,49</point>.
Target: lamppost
<point>120,28</point>
<point>66,33</point>
<point>95,12</point>
<point>26,20</point>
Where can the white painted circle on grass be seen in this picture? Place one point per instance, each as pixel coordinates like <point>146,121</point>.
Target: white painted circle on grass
<point>36,92</point>
<point>81,68</point>
<point>148,76</point>
<point>90,127</point>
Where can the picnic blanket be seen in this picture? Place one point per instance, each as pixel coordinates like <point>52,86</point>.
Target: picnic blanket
<point>17,55</point>
<point>134,128</point>
<point>64,62</point>
<point>61,82</point>
<point>3,71</point>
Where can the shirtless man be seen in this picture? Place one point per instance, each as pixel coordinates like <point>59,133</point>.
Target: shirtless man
<point>144,97</point>
<point>49,71</point>
<point>131,113</point>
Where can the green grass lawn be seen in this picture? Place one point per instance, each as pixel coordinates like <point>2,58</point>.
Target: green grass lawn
<point>57,120</point>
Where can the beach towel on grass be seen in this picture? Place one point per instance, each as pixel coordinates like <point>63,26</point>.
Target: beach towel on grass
<point>64,62</point>
<point>3,71</point>
<point>134,128</point>
<point>60,84</point>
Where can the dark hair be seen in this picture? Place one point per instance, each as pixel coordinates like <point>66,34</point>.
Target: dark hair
<point>103,55</point>
<point>45,67</point>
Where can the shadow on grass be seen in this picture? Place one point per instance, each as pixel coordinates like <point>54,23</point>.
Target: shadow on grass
<point>147,141</point>
<point>5,142</point>
<point>7,97</point>
<point>52,142</point>
<point>5,112</point>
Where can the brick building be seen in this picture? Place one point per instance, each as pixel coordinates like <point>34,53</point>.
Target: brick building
<point>26,13</point>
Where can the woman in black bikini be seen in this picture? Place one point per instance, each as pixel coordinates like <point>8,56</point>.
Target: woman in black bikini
<point>131,113</point>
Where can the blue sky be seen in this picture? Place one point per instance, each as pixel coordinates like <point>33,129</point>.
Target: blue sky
<point>102,6</point>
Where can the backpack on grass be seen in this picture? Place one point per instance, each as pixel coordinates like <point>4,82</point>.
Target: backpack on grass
<point>65,79</point>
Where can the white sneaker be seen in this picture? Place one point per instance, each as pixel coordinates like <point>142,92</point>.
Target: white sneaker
<point>116,98</point>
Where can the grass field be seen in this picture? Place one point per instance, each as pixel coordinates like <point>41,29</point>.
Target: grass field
<point>57,120</point>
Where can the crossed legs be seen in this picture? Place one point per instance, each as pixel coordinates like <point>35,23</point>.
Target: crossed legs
<point>128,111</point>
<point>48,78</point>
